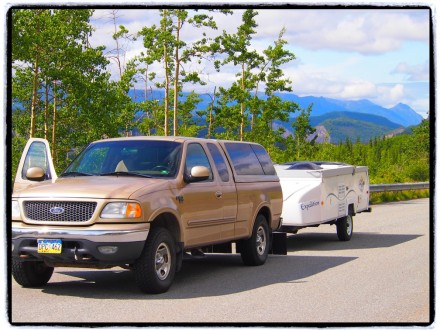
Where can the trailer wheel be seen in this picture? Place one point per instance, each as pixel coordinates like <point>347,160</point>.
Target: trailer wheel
<point>254,250</point>
<point>344,228</point>
<point>154,270</point>
<point>31,273</point>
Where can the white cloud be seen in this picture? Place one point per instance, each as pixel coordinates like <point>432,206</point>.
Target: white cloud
<point>306,83</point>
<point>351,30</point>
<point>365,32</point>
<point>358,89</point>
<point>390,95</point>
<point>419,72</point>
<point>396,93</point>
<point>321,84</point>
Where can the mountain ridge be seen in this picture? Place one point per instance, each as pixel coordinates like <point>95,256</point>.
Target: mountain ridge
<point>337,119</point>
<point>401,113</point>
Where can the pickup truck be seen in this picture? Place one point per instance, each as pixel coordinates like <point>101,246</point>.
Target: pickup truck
<point>141,203</point>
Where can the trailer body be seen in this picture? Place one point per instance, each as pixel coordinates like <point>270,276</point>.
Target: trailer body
<point>316,193</point>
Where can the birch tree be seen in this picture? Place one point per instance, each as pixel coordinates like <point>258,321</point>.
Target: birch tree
<point>166,44</point>
<point>50,48</point>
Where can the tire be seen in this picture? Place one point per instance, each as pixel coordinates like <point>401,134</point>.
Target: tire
<point>31,273</point>
<point>154,270</point>
<point>254,250</point>
<point>344,228</point>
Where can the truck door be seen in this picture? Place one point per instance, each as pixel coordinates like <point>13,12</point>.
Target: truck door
<point>200,205</point>
<point>227,190</point>
<point>36,158</point>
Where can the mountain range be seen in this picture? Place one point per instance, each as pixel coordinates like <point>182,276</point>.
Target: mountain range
<point>400,114</point>
<point>337,120</point>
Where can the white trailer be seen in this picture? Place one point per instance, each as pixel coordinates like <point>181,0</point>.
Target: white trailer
<point>316,193</point>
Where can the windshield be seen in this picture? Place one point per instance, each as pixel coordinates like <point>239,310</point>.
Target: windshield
<point>147,158</point>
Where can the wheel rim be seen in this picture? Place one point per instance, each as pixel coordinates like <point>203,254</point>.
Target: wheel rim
<point>349,225</point>
<point>261,240</point>
<point>163,261</point>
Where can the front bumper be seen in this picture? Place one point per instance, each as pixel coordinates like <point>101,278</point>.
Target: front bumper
<point>82,246</point>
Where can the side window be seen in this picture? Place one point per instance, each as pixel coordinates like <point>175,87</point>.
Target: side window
<point>219,161</point>
<point>36,157</point>
<point>244,159</point>
<point>264,159</point>
<point>196,156</point>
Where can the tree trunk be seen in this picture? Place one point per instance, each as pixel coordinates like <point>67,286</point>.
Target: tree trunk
<point>166,90</point>
<point>54,124</point>
<point>242,105</point>
<point>147,111</point>
<point>34,98</point>
<point>46,111</point>
<point>210,114</point>
<point>176,78</point>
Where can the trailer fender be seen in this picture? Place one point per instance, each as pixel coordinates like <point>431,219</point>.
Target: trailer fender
<point>351,210</point>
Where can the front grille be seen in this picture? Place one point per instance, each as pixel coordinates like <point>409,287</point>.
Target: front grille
<point>61,211</point>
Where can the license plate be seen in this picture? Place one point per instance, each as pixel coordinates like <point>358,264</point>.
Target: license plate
<point>49,246</point>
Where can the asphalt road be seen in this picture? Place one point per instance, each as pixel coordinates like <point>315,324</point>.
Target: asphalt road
<point>383,275</point>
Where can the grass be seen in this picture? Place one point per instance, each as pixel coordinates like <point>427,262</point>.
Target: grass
<point>395,196</point>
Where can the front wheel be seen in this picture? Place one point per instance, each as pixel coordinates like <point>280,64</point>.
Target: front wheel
<point>154,270</point>
<point>254,250</point>
<point>31,273</point>
<point>344,228</point>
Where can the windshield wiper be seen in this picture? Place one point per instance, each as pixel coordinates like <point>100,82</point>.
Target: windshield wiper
<point>75,174</point>
<point>121,173</point>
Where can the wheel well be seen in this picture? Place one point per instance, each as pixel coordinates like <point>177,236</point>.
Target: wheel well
<point>168,221</point>
<point>266,212</point>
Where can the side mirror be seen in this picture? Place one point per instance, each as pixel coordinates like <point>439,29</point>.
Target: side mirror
<point>198,173</point>
<point>35,174</point>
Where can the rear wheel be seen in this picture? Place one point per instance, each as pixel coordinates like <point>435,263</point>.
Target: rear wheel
<point>254,250</point>
<point>344,228</point>
<point>31,273</point>
<point>154,270</point>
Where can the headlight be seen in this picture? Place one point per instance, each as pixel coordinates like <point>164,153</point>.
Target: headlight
<point>15,209</point>
<point>121,210</point>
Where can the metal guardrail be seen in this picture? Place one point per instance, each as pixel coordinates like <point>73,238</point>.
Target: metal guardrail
<point>399,186</point>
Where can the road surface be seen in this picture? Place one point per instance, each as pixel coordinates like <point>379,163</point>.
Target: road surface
<point>383,275</point>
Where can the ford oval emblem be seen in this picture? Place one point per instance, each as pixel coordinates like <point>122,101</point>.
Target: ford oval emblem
<point>56,210</point>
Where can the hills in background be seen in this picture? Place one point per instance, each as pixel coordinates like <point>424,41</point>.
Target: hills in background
<point>400,114</point>
<point>338,120</point>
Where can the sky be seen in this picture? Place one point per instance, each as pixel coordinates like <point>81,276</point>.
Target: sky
<point>375,52</point>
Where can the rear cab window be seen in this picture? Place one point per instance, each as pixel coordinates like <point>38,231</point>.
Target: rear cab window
<point>250,162</point>
<point>264,159</point>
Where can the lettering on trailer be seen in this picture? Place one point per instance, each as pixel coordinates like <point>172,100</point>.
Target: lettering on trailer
<point>308,205</point>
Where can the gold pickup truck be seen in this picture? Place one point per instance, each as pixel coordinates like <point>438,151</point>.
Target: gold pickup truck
<point>141,203</point>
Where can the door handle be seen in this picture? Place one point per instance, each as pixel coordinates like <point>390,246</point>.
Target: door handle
<point>218,194</point>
